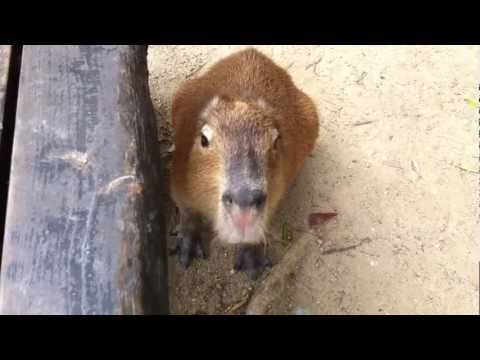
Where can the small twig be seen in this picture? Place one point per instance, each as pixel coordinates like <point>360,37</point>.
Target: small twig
<point>392,164</point>
<point>314,64</point>
<point>415,168</point>
<point>360,123</point>
<point>341,298</point>
<point>467,170</point>
<point>238,305</point>
<point>196,71</point>
<point>360,79</point>
<point>335,250</point>
<point>351,247</point>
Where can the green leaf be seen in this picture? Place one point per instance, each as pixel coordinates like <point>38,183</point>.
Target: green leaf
<point>472,103</point>
<point>285,233</point>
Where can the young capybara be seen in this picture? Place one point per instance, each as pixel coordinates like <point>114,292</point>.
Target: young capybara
<point>242,132</point>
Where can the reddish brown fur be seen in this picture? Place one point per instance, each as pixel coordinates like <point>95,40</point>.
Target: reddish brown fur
<point>246,76</point>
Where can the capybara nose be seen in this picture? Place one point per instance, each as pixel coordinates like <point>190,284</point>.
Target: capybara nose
<point>245,198</point>
<point>244,219</point>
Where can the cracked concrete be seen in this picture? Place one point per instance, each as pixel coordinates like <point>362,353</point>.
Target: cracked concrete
<point>397,160</point>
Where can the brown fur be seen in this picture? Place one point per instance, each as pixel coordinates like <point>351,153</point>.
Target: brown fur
<point>251,85</point>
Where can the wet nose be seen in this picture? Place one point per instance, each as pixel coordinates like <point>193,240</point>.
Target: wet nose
<point>245,198</point>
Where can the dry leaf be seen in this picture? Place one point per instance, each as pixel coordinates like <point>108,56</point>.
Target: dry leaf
<point>315,219</point>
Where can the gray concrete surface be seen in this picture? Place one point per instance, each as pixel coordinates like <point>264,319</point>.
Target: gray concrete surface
<point>397,159</point>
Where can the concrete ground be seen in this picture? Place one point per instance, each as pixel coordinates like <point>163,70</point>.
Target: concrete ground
<point>397,159</point>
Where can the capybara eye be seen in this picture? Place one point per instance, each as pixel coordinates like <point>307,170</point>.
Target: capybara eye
<point>207,134</point>
<point>204,141</point>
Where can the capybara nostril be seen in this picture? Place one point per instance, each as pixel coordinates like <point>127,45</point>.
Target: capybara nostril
<point>248,198</point>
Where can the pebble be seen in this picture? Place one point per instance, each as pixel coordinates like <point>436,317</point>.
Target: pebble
<point>301,311</point>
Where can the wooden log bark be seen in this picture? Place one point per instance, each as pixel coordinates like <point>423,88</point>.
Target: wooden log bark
<point>84,232</point>
<point>6,53</point>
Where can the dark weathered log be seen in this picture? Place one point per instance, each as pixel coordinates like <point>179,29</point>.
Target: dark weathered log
<point>7,114</point>
<point>84,230</point>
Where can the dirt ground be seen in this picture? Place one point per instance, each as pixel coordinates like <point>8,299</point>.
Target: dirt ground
<point>397,159</point>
